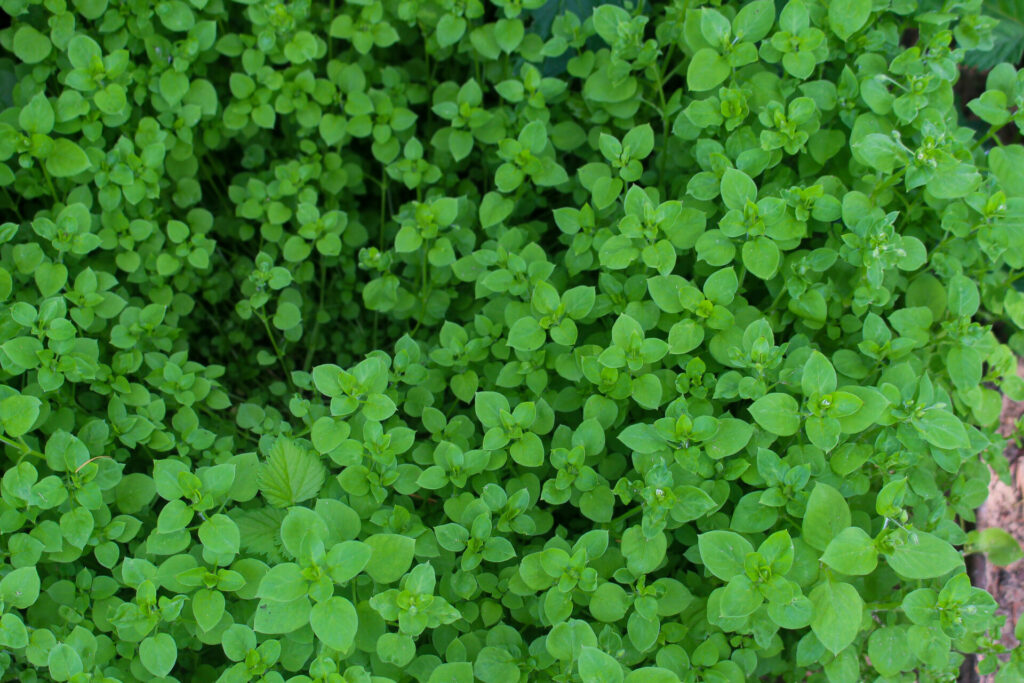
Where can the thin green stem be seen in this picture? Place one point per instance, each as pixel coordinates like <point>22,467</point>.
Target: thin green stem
<point>778,298</point>
<point>668,59</point>
<point>277,350</point>
<point>890,182</point>
<point>675,70</point>
<point>663,113</point>
<point>49,183</point>
<point>314,337</point>
<point>477,72</point>
<point>330,41</point>
<point>425,288</point>
<point>216,187</point>
<point>423,269</point>
<point>380,239</point>
<point>628,514</point>
<point>992,131</point>
<point>23,447</point>
<point>14,205</point>
<point>383,207</point>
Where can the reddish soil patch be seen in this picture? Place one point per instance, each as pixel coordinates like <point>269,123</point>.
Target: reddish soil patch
<point>1004,509</point>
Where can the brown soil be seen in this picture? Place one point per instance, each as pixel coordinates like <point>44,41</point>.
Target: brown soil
<point>1004,509</point>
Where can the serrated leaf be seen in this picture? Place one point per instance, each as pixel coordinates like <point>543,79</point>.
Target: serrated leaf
<point>259,531</point>
<point>291,474</point>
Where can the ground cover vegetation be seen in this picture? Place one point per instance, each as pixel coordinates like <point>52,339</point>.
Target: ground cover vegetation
<point>453,341</point>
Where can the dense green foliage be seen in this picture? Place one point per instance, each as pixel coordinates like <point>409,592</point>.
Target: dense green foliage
<point>436,340</point>
<point>1007,17</point>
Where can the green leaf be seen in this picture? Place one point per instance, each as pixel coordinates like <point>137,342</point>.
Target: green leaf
<point>652,674</point>
<point>750,516</point>
<point>392,556</point>
<point>300,527</point>
<point>37,115</point>
<point>1005,162</point>
<point>528,451</point>
<point>488,406</point>
<point>639,141</point>
<point>565,641</point>
<point>888,650</point>
<point>282,583</point>
<point>714,27</point>
<point>923,556</point>
<point>494,209</point>
<point>777,413</point>
<point>724,553</point>
<point>847,17</point>
<point>837,614</point>
<point>66,159</point>
<point>642,438</point>
<point>208,608</point>
<point>278,617</point>
<point>396,649</point>
<point>754,20</point>
<point>450,29</point>
<point>685,336</point>
<point>626,331</point>
<point>851,552</point>
<point>732,436</point>
<point>347,559</point>
<point>823,432</point>
<point>82,50</point>
<point>220,535</point>
<point>609,603</point>
<point>761,256</point>
<point>76,526</point>
<point>941,428</point>
<point>509,34</point>
<point>452,672</point>
<point>13,633</point>
<point>20,587</point>
<point>335,622</point>
<point>643,555</point>
<point>596,666</point>
<point>63,662</point>
<point>953,180</point>
<point>31,46</point>
<point>693,504</point>
<point>707,69</point>
<point>579,301</point>
<point>173,86</point>
<point>963,298</point>
<point>1000,548</point>
<point>328,433</point>
<point>737,189</point>
<point>18,414</point>
<point>158,654</point>
<point>740,598</point>
<point>827,515</point>
<point>607,19</point>
<point>878,151</point>
<point>819,377</point>
<point>526,334</point>
<point>175,15</point>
